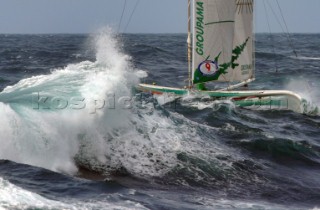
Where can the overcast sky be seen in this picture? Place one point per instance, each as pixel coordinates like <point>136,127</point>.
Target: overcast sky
<point>151,16</point>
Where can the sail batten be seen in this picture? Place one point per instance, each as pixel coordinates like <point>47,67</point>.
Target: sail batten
<point>222,21</point>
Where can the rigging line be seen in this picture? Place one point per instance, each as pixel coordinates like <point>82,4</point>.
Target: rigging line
<point>284,21</point>
<point>271,38</point>
<point>124,8</point>
<point>133,11</point>
<point>283,30</point>
<point>276,16</point>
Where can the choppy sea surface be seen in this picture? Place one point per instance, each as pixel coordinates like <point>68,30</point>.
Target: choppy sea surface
<point>75,134</point>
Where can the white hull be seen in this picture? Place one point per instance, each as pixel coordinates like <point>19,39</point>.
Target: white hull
<point>255,99</point>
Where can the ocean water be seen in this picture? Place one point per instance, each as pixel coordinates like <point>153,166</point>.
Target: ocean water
<point>75,134</point>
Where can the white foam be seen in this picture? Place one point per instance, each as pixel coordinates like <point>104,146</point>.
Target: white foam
<point>122,134</point>
<point>46,136</point>
<point>304,87</point>
<point>305,58</point>
<point>13,197</point>
<point>201,102</point>
<point>237,204</point>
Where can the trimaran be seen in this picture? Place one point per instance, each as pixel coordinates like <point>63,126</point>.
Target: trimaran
<point>221,49</point>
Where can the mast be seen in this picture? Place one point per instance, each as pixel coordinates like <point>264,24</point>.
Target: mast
<point>189,44</point>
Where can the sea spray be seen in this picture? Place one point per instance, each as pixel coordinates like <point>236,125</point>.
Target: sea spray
<point>87,114</point>
<point>308,89</point>
<point>39,132</point>
<point>76,116</point>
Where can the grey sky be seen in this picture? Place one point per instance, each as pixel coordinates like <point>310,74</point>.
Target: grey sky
<point>151,16</point>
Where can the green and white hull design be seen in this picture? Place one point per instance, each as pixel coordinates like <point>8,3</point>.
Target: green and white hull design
<point>255,99</point>
<point>221,49</point>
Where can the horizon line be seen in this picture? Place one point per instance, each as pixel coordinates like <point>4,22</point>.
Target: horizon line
<point>139,33</point>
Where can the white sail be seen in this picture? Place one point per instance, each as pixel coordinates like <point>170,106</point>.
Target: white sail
<point>213,35</point>
<point>243,68</point>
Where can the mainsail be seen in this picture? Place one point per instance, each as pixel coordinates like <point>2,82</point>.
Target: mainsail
<point>222,40</point>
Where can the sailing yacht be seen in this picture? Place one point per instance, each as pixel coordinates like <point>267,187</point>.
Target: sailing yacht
<point>221,49</point>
